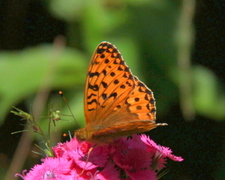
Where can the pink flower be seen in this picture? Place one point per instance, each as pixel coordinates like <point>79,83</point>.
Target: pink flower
<point>159,153</point>
<point>51,168</point>
<point>132,156</point>
<point>136,157</point>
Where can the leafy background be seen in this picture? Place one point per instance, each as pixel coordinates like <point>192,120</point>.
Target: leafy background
<point>175,47</point>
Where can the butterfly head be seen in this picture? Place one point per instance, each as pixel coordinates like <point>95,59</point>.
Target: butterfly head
<point>81,134</point>
<point>90,134</point>
<point>85,134</point>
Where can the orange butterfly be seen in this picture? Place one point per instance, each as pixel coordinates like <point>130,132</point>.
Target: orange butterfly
<point>116,103</point>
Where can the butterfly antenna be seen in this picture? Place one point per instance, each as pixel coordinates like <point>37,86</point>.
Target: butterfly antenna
<point>65,100</point>
<point>70,135</point>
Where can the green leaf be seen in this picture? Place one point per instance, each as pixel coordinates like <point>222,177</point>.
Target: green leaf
<point>23,73</point>
<point>209,99</point>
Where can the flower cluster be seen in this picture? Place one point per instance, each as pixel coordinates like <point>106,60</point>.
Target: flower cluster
<point>136,157</point>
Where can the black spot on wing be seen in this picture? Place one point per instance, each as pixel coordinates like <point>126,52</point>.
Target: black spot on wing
<point>94,87</point>
<point>90,96</point>
<point>104,72</point>
<point>138,107</point>
<point>105,85</point>
<point>106,61</point>
<point>116,81</point>
<point>152,101</point>
<point>153,110</point>
<point>136,99</point>
<point>104,96</point>
<point>100,50</point>
<point>112,74</point>
<point>114,95</point>
<point>93,74</point>
<point>93,101</point>
<point>122,86</point>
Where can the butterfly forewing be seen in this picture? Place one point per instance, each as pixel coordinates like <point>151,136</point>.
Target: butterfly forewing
<point>109,82</point>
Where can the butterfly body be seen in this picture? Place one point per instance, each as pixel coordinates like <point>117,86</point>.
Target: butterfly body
<point>116,103</point>
<point>105,135</point>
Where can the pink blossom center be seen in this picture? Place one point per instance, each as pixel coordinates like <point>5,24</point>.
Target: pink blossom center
<point>85,146</point>
<point>49,175</point>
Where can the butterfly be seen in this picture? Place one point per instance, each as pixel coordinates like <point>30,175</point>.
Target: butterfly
<point>116,103</point>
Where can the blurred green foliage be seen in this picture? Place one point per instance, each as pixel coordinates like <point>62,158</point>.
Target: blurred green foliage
<point>23,72</point>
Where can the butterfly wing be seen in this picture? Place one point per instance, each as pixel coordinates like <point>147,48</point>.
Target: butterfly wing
<point>109,82</point>
<point>113,95</point>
